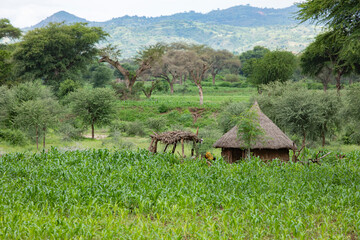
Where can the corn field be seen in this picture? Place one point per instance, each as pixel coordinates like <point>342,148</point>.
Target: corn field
<point>103,194</point>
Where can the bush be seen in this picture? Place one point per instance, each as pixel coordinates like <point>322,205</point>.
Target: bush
<point>118,126</point>
<point>157,124</point>
<point>224,84</point>
<point>163,108</point>
<point>186,119</point>
<point>12,136</point>
<point>231,78</point>
<point>117,142</point>
<point>135,129</point>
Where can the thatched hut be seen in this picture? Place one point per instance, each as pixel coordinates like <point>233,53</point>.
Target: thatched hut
<point>273,144</point>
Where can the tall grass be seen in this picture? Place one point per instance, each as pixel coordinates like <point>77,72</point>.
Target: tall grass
<point>134,194</point>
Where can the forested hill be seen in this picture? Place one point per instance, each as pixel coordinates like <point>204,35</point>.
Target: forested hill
<point>237,29</point>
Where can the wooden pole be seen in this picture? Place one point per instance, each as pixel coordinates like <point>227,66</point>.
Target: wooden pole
<point>155,147</point>
<point>151,145</point>
<point>182,147</point>
<point>174,148</point>
<point>166,147</point>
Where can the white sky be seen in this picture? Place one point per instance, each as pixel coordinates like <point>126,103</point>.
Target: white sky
<point>25,13</point>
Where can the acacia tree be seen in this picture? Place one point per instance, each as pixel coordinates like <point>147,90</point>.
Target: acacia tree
<point>221,59</point>
<point>197,66</point>
<point>145,60</point>
<point>54,52</point>
<point>342,19</point>
<point>94,106</point>
<point>325,52</point>
<point>171,67</point>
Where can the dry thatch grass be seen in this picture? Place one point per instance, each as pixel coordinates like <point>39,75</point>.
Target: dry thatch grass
<point>175,137</point>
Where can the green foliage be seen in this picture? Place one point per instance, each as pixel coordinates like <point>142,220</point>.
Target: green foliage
<point>37,116</point>
<point>67,87</point>
<point>249,129</point>
<point>231,78</point>
<point>7,30</point>
<point>300,111</point>
<point>249,57</point>
<point>57,50</point>
<point>274,66</point>
<point>13,136</point>
<point>157,124</point>
<point>227,118</point>
<point>93,106</point>
<point>104,194</point>
<point>136,128</point>
<point>101,76</point>
<point>163,108</point>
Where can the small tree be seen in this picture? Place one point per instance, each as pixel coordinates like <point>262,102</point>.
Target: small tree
<point>93,106</point>
<point>37,116</point>
<point>249,129</point>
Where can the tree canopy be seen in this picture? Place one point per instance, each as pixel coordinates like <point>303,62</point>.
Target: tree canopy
<point>57,50</point>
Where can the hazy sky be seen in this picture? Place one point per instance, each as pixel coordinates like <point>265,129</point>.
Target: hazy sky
<point>24,13</point>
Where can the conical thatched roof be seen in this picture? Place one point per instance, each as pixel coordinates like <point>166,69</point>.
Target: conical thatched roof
<point>274,138</point>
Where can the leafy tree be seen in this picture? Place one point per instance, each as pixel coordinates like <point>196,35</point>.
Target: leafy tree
<point>300,111</point>
<point>11,99</point>
<point>7,30</point>
<point>228,117</point>
<point>328,108</point>
<point>197,66</point>
<point>101,76</point>
<point>37,116</point>
<point>57,50</point>
<point>248,58</point>
<point>342,19</point>
<point>220,59</point>
<point>93,106</point>
<point>249,129</point>
<point>145,59</point>
<point>325,52</point>
<point>274,66</point>
<point>6,65</point>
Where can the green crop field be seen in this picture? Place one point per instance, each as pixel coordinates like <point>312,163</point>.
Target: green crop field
<point>100,194</point>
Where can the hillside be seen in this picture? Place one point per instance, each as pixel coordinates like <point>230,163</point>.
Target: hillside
<point>237,29</point>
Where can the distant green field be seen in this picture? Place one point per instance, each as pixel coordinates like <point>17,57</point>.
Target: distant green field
<point>98,194</point>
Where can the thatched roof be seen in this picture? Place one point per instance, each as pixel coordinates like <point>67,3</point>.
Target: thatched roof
<point>175,136</point>
<point>273,138</point>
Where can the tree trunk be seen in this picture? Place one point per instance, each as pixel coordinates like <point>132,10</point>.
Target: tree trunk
<point>201,94</point>
<point>44,129</point>
<point>92,131</point>
<point>350,80</point>
<point>248,153</point>
<point>304,139</point>
<point>323,135</point>
<point>171,87</point>
<point>325,87</point>
<point>213,78</point>
<point>37,138</point>
<point>338,82</point>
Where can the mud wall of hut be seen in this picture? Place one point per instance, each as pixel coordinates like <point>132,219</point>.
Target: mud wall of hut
<point>232,155</point>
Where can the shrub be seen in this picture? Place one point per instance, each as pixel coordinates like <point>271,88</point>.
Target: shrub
<point>12,136</point>
<point>231,78</point>
<point>135,129</point>
<point>118,126</point>
<point>157,124</point>
<point>163,108</point>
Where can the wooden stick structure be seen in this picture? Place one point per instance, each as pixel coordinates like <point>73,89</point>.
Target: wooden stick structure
<point>173,138</point>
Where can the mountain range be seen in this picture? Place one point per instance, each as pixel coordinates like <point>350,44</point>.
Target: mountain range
<point>236,29</point>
